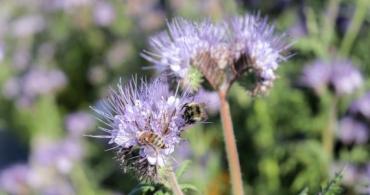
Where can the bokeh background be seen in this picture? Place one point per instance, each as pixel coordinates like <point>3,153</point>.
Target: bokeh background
<point>58,57</point>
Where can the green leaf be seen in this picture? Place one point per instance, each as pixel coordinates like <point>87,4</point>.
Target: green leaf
<point>184,166</point>
<point>187,187</point>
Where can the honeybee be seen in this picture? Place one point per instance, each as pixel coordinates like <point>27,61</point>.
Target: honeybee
<point>194,112</point>
<point>151,139</point>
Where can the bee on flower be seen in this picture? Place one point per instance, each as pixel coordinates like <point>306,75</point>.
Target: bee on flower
<point>144,122</point>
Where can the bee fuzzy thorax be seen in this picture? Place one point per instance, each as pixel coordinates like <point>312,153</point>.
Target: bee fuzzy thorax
<point>194,112</point>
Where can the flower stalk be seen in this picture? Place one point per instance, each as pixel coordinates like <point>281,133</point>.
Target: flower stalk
<point>230,145</point>
<point>328,132</point>
<point>171,177</point>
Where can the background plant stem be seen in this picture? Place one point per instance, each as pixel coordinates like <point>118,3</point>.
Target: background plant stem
<point>171,177</point>
<point>355,26</point>
<point>328,133</point>
<point>230,144</point>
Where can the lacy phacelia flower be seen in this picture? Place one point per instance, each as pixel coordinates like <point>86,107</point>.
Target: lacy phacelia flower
<point>337,74</point>
<point>257,48</point>
<point>144,122</point>
<point>177,49</point>
<point>222,52</point>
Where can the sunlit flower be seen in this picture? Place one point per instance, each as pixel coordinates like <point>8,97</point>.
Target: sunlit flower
<point>258,48</point>
<point>144,121</point>
<point>222,51</point>
<point>184,40</point>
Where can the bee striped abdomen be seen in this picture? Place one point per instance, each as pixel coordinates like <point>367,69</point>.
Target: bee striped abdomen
<point>152,139</point>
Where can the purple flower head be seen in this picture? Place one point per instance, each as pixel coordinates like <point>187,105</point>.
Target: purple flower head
<point>337,74</point>
<point>14,179</point>
<point>78,123</point>
<point>362,106</point>
<point>257,48</point>
<point>345,77</point>
<point>175,50</point>
<point>352,131</point>
<point>316,75</point>
<point>222,51</point>
<point>144,121</point>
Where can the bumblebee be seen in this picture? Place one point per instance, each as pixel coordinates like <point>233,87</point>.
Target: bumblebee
<point>151,139</point>
<point>194,112</point>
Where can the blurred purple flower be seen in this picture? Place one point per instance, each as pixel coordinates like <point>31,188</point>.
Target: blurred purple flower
<point>15,179</point>
<point>61,155</point>
<point>41,81</point>
<point>361,106</point>
<point>298,30</point>
<point>152,20</point>
<point>11,88</point>
<point>118,53</point>
<point>58,188</point>
<point>67,5</point>
<point>28,26</point>
<point>210,98</point>
<point>21,58</point>
<point>33,83</point>
<point>97,75</point>
<point>2,50</point>
<point>104,13</point>
<point>352,131</point>
<point>339,74</point>
<point>79,123</point>
<point>137,113</point>
<point>316,75</point>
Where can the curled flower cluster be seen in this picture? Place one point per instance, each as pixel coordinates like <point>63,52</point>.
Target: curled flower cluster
<point>145,123</point>
<point>222,52</point>
<point>338,75</point>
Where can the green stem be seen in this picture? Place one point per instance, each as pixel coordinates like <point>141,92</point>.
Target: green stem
<point>354,28</point>
<point>172,180</point>
<point>328,133</point>
<point>230,144</point>
<point>329,22</point>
